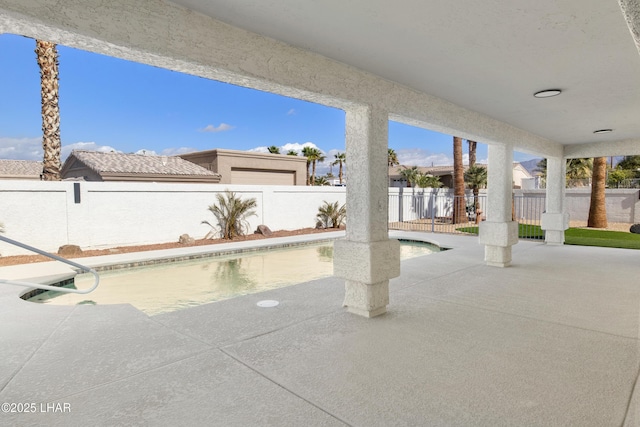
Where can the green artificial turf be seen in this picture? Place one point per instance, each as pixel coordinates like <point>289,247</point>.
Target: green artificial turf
<point>604,238</point>
<point>579,236</point>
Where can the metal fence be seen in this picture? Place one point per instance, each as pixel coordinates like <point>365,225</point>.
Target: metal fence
<point>527,210</point>
<point>421,210</point>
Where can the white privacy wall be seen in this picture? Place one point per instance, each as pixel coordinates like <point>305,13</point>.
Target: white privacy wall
<point>45,215</point>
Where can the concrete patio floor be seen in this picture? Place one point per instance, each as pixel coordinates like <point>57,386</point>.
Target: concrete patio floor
<point>549,341</point>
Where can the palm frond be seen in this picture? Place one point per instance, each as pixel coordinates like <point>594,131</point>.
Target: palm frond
<point>231,213</point>
<point>332,215</point>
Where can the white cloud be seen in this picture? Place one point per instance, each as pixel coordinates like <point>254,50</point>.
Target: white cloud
<point>21,148</point>
<point>291,112</point>
<point>221,128</point>
<point>177,151</point>
<point>261,149</point>
<point>31,148</point>
<point>284,149</point>
<point>297,146</point>
<point>86,146</point>
<point>420,157</point>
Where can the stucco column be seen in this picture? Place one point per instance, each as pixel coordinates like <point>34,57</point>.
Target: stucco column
<point>498,233</point>
<point>367,259</point>
<point>555,220</point>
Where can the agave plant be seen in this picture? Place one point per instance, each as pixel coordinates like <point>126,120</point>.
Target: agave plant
<point>231,213</point>
<point>332,215</point>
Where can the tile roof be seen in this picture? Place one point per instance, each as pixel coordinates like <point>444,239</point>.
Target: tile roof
<point>20,168</point>
<point>140,164</point>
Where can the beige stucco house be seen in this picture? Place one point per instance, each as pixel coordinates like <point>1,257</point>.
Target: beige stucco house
<point>250,167</point>
<point>99,166</point>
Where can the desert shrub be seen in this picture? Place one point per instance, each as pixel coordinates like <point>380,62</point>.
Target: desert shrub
<point>231,213</point>
<point>331,215</point>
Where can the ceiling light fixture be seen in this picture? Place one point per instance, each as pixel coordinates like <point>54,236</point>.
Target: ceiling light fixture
<point>599,131</point>
<point>547,93</point>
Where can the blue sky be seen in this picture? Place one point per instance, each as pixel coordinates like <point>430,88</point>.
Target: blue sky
<point>112,104</point>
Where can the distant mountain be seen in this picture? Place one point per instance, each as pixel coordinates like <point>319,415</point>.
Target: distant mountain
<point>531,165</point>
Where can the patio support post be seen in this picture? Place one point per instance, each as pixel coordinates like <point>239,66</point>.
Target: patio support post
<point>367,259</point>
<point>555,220</point>
<point>499,232</point>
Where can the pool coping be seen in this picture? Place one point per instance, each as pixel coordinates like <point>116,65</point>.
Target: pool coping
<point>53,272</point>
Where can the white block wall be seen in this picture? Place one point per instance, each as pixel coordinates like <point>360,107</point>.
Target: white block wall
<point>44,214</point>
<point>623,205</point>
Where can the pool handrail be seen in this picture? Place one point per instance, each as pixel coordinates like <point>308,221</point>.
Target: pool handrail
<point>57,258</point>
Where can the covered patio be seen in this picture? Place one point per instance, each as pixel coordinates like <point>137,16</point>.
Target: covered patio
<point>551,340</point>
<point>483,72</point>
<point>460,345</point>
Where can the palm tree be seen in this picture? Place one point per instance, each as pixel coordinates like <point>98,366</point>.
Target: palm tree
<point>321,181</point>
<point>459,205</point>
<point>597,208</point>
<point>409,174</point>
<point>231,212</point>
<point>392,158</point>
<point>578,169</point>
<point>332,214</point>
<point>424,180</point>
<point>316,156</point>
<point>292,153</point>
<point>541,167</point>
<point>472,152</point>
<point>476,178</point>
<point>308,153</point>
<point>340,159</point>
<point>273,150</point>
<point>47,56</point>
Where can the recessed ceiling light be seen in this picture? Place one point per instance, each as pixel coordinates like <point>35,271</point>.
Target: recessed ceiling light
<point>547,93</point>
<point>599,131</point>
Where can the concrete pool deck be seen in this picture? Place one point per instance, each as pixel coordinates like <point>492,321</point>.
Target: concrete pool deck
<point>551,340</point>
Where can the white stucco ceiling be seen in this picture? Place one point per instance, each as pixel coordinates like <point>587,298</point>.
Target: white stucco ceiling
<point>489,56</point>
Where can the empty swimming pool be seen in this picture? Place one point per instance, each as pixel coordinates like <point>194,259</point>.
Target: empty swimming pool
<point>162,288</point>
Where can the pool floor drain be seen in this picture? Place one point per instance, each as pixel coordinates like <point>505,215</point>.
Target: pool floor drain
<point>267,303</point>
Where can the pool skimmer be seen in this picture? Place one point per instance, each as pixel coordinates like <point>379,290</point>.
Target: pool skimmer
<point>267,303</point>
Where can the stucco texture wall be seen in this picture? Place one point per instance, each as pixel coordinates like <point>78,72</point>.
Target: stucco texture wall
<point>45,215</point>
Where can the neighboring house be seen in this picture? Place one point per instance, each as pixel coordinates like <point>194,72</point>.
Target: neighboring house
<point>250,167</point>
<point>20,169</point>
<point>445,173</point>
<point>521,176</point>
<point>100,166</point>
